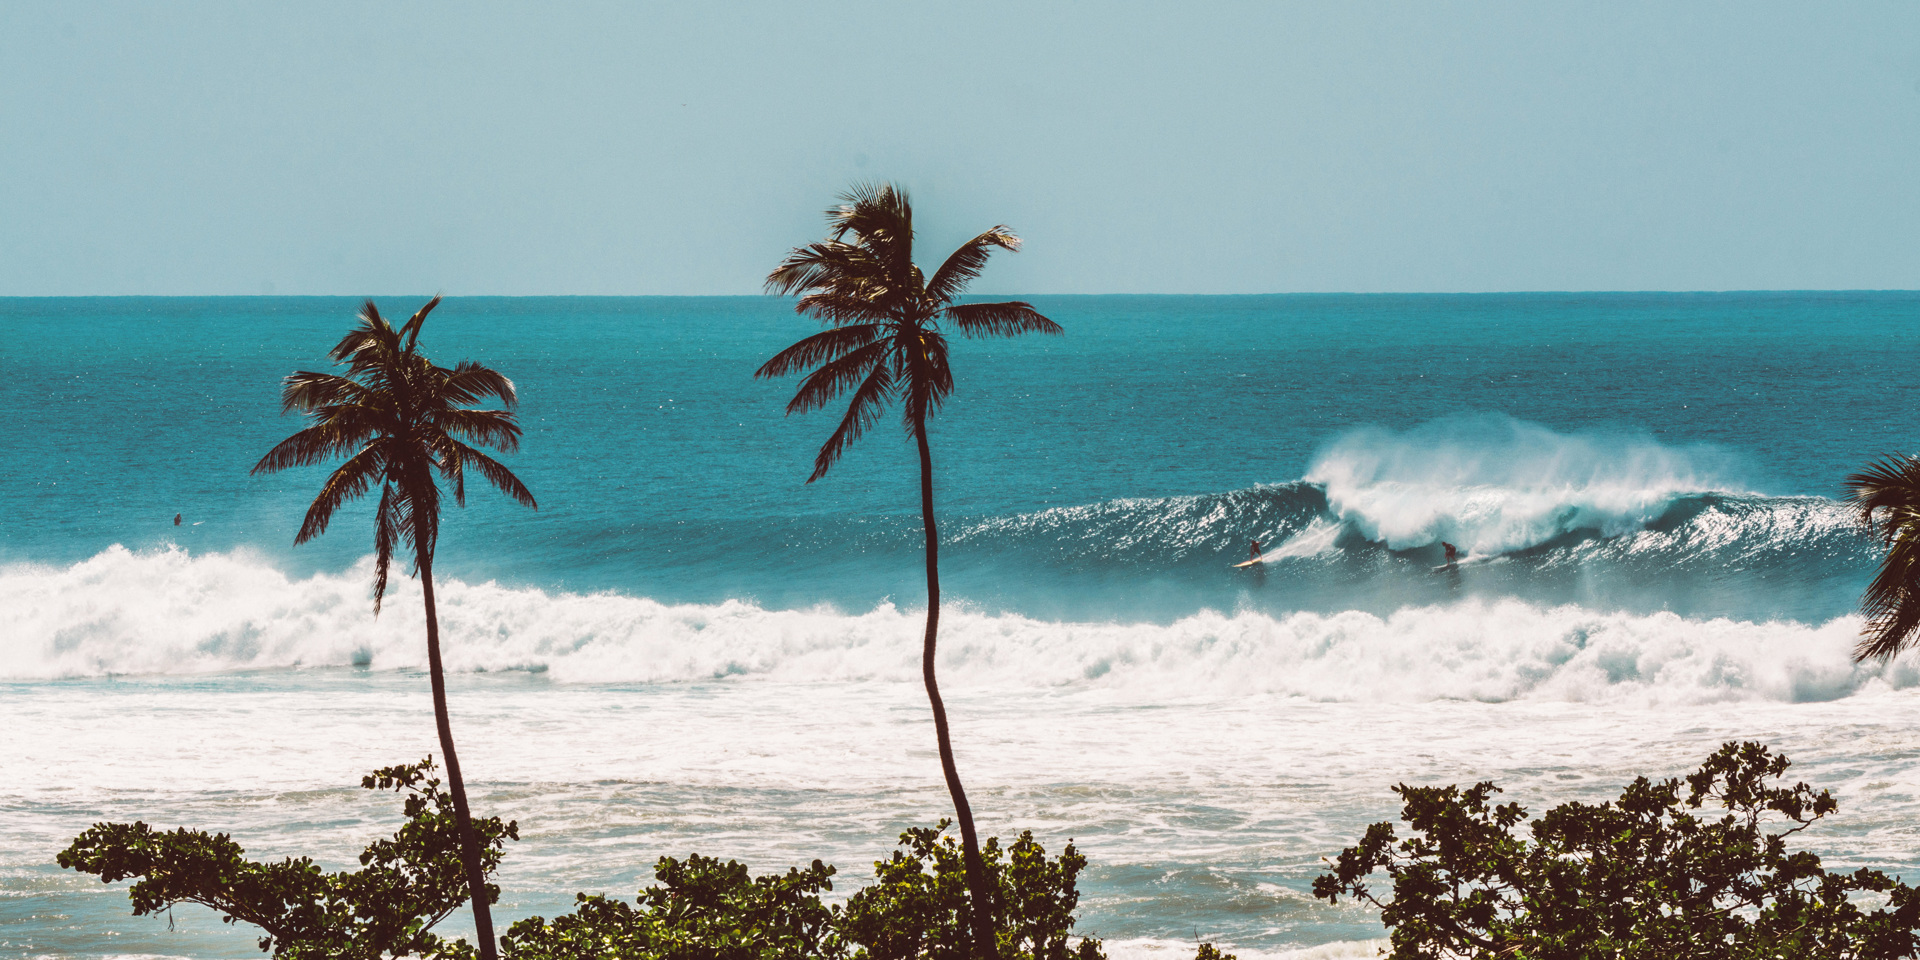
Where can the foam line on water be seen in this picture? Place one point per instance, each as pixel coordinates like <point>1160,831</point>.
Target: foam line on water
<point>167,611</point>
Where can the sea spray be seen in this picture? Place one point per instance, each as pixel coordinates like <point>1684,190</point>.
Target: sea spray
<point>1493,484</point>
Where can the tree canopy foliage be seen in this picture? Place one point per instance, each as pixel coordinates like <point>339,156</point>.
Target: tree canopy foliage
<point>387,908</point>
<point>700,908</point>
<point>1654,874</point>
<point>918,908</point>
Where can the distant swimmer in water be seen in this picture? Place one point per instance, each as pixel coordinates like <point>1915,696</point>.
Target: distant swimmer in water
<point>1254,552</point>
<point>176,519</point>
<point>1453,553</point>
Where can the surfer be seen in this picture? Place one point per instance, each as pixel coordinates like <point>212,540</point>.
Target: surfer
<point>1453,553</point>
<point>1254,552</point>
<point>176,519</point>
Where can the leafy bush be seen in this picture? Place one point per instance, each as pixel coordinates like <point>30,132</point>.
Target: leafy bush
<point>917,909</point>
<point>918,906</point>
<point>702,909</point>
<point>387,908</point>
<point>1645,876</point>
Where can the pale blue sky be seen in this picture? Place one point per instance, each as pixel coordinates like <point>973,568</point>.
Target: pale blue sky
<point>344,148</point>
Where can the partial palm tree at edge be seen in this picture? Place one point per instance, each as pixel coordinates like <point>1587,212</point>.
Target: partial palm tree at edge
<point>1887,496</point>
<point>884,343</point>
<point>397,418</point>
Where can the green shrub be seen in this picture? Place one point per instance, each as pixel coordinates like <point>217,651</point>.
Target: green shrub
<point>916,909</point>
<point>1651,875</point>
<point>387,908</point>
<point>702,909</point>
<point>918,905</point>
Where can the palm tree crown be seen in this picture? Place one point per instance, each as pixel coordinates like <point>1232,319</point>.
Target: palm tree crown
<point>884,341</point>
<point>398,418</point>
<point>1887,494</point>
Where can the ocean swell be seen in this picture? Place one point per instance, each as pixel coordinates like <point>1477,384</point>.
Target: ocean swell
<point>168,612</point>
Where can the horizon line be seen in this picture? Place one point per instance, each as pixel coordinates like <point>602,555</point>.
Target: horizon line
<point>773,296</point>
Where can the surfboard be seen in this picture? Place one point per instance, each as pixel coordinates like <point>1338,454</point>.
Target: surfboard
<point>1249,563</point>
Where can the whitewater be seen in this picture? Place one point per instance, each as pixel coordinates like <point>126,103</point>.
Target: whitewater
<point>688,649</point>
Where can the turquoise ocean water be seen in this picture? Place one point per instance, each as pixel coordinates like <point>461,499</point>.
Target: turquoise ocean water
<point>688,648</point>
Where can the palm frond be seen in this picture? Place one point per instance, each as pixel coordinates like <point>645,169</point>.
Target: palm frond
<point>880,216</point>
<point>1891,604</point>
<point>833,378</point>
<point>1890,486</point>
<point>348,482</point>
<point>820,348</point>
<point>838,307</point>
<point>494,428</point>
<point>310,446</point>
<point>372,332</point>
<point>470,382</point>
<point>305,390</point>
<point>827,264</point>
<point>411,332</point>
<point>929,379</point>
<point>1887,496</point>
<point>965,263</point>
<point>416,506</point>
<point>497,474</point>
<point>861,413</point>
<point>869,209</point>
<point>1009,319</point>
<point>384,535</point>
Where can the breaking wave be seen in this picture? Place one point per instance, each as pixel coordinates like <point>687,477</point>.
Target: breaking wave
<point>1604,521</point>
<point>1494,485</point>
<point>167,612</point>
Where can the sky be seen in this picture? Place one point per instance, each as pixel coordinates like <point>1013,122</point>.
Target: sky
<point>680,148</point>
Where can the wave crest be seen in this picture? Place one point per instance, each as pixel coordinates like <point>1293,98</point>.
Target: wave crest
<point>1494,485</point>
<point>166,612</point>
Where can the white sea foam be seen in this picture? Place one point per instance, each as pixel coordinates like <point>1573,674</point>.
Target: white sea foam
<point>169,612</point>
<point>1493,484</point>
<point>1144,949</point>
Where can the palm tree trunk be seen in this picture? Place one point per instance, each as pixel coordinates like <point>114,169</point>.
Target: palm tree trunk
<point>469,846</point>
<point>983,938</point>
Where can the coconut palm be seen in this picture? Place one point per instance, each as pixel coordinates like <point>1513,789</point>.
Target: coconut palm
<point>1887,494</point>
<point>884,343</point>
<point>398,418</point>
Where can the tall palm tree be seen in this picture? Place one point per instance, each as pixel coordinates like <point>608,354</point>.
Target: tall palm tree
<point>884,343</point>
<point>398,418</point>
<point>1887,494</point>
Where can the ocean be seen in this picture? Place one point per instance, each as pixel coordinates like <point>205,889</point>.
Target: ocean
<point>688,648</point>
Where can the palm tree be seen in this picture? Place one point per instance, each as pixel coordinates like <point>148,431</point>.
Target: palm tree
<point>397,418</point>
<point>884,343</point>
<point>1890,489</point>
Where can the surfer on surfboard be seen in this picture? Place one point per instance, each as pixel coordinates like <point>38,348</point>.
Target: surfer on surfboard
<point>1253,553</point>
<point>1453,553</point>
